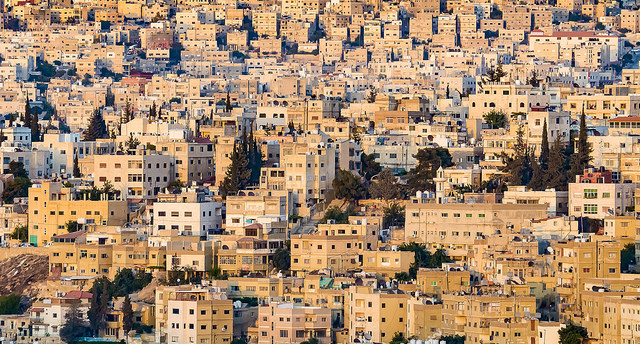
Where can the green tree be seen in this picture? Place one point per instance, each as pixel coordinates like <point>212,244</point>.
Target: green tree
<point>429,160</point>
<point>255,159</point>
<point>9,304</point>
<point>572,334</point>
<point>97,128</point>
<point>495,119</point>
<point>282,259</point>
<point>371,96</point>
<point>386,187</point>
<point>176,185</point>
<point>238,173</point>
<point>74,326</point>
<point>312,340</point>
<point>127,114</point>
<point>20,233</point>
<point>518,164</point>
<point>423,258</point>
<point>18,187</point>
<point>457,339</point>
<point>127,315</point>
<point>132,143</point>
<point>27,113</point>
<point>557,171</point>
<point>348,187</point>
<point>153,111</point>
<point>227,104</point>
<point>398,338</point>
<point>35,128</point>
<point>17,169</point>
<point>393,215</point>
<point>337,215</point>
<point>580,160</point>
<point>533,81</point>
<point>99,305</point>
<point>544,148</point>
<point>76,166</point>
<point>369,167</point>
<point>72,226</point>
<point>627,256</point>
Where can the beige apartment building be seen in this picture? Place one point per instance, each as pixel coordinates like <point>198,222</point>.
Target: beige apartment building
<point>136,177</point>
<point>375,313</point>
<point>186,313</point>
<point>337,247</point>
<point>456,226</point>
<point>53,205</point>
<point>471,315</point>
<point>285,323</point>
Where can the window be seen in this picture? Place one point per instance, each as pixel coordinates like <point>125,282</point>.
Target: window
<point>590,193</point>
<point>284,333</point>
<point>590,208</point>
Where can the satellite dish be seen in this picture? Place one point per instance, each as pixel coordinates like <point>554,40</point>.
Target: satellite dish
<point>367,336</point>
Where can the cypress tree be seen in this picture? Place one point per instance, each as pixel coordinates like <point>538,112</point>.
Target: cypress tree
<point>227,104</point>
<point>518,165</point>
<point>255,159</point>
<point>557,172</point>
<point>152,111</point>
<point>580,160</point>
<point>238,173</point>
<point>544,149</point>
<point>35,128</point>
<point>76,166</point>
<point>27,113</point>
<point>127,315</point>
<point>97,128</point>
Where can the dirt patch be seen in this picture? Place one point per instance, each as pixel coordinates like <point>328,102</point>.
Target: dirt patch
<point>23,273</point>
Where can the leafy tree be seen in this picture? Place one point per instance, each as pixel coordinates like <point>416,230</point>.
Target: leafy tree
<point>18,187</point>
<point>337,215</point>
<point>282,259</point>
<point>386,187</point>
<point>238,173</point>
<point>369,166</point>
<point>627,256</point>
<point>580,160</point>
<point>423,258</point>
<point>457,339</point>
<point>495,119</point>
<point>127,315</point>
<point>127,113</point>
<point>176,184</point>
<point>20,233</point>
<point>97,128</point>
<point>74,326</point>
<point>429,161</point>
<point>9,304</point>
<point>402,276</point>
<point>132,143</point>
<point>76,166</point>
<point>17,169</point>
<point>398,338</point>
<point>393,215</point>
<point>572,334</point>
<point>126,282</point>
<point>292,128</point>
<point>538,175</point>
<point>72,226</point>
<point>348,187</point>
<point>518,165</point>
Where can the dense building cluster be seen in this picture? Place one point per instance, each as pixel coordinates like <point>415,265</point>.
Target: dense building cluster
<point>315,172</point>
